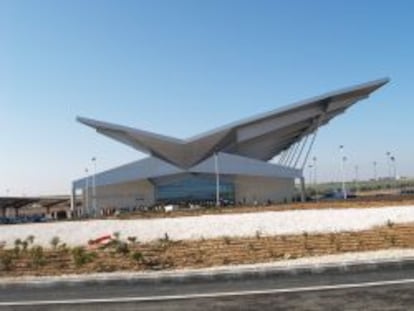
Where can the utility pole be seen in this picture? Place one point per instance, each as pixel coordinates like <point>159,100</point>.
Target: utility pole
<point>375,170</point>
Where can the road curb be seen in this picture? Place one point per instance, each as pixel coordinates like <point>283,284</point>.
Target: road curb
<point>210,275</point>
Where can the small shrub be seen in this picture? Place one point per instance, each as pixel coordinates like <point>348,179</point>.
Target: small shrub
<point>54,242</point>
<point>6,261</point>
<point>390,224</point>
<point>392,240</point>
<point>138,257</point>
<point>258,234</point>
<point>17,243</point>
<point>37,256</point>
<point>63,248</point>
<point>30,239</point>
<point>25,245</point>
<point>165,241</point>
<point>132,239</point>
<point>226,240</point>
<point>122,248</point>
<point>17,249</point>
<point>81,256</point>
<point>117,235</point>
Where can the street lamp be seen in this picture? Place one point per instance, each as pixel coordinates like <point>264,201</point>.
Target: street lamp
<point>314,170</point>
<point>375,170</point>
<point>216,169</point>
<point>388,154</point>
<point>356,177</point>
<point>343,159</point>
<point>86,207</point>
<point>394,166</point>
<point>356,172</point>
<point>310,166</point>
<point>94,207</point>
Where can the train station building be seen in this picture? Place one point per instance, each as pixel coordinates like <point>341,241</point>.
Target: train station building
<point>253,161</point>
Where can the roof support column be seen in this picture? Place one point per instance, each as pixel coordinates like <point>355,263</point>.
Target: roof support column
<point>304,141</point>
<point>302,189</point>
<point>3,211</point>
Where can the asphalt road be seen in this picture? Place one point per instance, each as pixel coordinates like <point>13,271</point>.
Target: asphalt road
<point>369,287</point>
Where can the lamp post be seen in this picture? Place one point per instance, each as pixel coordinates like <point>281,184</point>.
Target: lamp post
<point>94,205</point>
<point>375,170</point>
<point>356,177</point>
<point>216,169</point>
<point>310,166</point>
<point>388,155</point>
<point>314,170</point>
<point>343,159</point>
<point>394,167</point>
<point>86,202</point>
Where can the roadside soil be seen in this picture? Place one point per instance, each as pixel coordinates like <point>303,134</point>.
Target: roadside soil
<point>123,254</point>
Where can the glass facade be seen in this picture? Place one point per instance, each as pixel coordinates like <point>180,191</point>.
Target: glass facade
<point>193,188</point>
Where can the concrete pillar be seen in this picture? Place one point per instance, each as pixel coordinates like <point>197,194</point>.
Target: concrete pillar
<point>16,211</point>
<point>302,189</point>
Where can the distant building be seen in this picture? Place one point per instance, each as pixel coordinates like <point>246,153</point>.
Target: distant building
<point>233,159</point>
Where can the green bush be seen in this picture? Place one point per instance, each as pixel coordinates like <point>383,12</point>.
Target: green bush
<point>81,256</point>
<point>54,242</point>
<point>132,239</point>
<point>6,261</point>
<point>37,256</point>
<point>122,248</point>
<point>137,257</point>
<point>30,239</point>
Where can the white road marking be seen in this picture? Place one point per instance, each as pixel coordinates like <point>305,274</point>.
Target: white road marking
<point>206,295</point>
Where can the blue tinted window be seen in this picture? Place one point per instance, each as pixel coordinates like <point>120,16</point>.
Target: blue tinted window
<point>194,188</point>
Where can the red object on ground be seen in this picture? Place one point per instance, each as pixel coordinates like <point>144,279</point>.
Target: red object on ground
<point>100,240</point>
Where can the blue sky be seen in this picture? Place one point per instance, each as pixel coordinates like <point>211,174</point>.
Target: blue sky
<point>183,67</point>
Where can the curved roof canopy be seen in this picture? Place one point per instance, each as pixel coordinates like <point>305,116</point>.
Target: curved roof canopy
<point>260,137</point>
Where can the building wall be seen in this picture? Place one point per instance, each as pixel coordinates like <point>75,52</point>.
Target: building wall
<point>251,189</point>
<point>126,195</point>
<point>248,190</point>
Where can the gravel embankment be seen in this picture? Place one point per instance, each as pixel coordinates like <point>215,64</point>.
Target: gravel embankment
<point>212,226</point>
